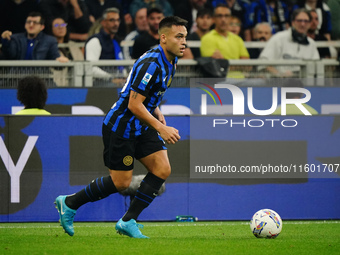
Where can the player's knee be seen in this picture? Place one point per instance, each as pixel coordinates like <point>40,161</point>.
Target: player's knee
<point>167,171</point>
<point>121,183</point>
<point>164,172</point>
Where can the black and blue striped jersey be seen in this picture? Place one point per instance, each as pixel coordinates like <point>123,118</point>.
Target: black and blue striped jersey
<point>151,76</point>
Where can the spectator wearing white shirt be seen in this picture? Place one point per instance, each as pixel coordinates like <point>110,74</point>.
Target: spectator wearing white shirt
<point>105,44</point>
<point>291,44</point>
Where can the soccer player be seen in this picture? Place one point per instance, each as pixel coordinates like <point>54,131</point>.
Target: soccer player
<point>135,128</point>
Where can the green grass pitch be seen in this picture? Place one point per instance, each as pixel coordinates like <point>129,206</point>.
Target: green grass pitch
<point>297,237</point>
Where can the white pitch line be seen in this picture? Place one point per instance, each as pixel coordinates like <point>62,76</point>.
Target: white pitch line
<point>182,224</point>
<point>150,224</point>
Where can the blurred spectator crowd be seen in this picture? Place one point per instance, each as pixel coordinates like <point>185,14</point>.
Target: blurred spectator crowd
<point>32,29</point>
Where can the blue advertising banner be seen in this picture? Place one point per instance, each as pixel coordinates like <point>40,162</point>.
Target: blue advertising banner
<point>325,100</point>
<point>43,157</point>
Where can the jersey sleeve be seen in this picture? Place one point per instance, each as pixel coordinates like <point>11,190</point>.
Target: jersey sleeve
<point>145,78</point>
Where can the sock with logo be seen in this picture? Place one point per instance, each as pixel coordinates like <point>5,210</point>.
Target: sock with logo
<point>96,190</point>
<point>146,193</point>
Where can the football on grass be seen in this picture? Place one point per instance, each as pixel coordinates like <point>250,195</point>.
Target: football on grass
<point>266,223</point>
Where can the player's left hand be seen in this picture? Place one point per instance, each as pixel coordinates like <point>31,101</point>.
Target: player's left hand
<point>161,119</point>
<point>159,115</point>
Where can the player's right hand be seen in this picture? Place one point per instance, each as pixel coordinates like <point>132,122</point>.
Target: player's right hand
<point>170,135</point>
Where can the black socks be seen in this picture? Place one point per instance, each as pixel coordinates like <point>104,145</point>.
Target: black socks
<point>96,190</point>
<point>104,186</point>
<point>146,193</point>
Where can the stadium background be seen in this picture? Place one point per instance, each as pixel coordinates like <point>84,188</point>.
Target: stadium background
<point>68,154</point>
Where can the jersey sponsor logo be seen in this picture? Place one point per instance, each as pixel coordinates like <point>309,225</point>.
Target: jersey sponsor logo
<point>127,160</point>
<point>146,78</point>
<point>161,93</point>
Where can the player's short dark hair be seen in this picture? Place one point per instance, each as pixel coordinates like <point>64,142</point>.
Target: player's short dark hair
<point>296,12</point>
<point>170,21</point>
<point>32,92</point>
<point>37,14</point>
<point>154,9</point>
<point>204,11</point>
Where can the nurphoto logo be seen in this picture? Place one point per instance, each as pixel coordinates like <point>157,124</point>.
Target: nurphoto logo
<point>239,99</point>
<point>287,97</point>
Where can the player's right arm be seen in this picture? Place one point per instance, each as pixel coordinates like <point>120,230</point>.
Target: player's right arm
<point>169,134</point>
